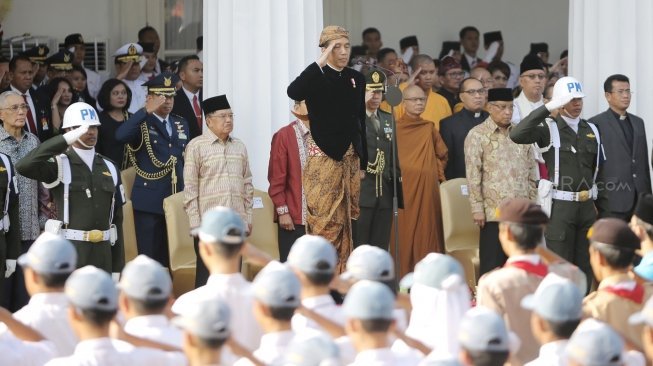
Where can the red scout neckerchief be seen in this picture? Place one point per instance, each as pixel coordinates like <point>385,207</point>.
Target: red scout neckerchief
<point>629,290</point>
<point>540,269</point>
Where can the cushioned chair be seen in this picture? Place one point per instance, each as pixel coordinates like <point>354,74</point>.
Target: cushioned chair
<point>460,233</point>
<point>180,244</point>
<point>129,231</point>
<point>127,177</point>
<point>264,232</point>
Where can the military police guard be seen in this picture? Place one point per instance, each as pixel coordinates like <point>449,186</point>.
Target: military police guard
<point>157,140</point>
<point>86,187</point>
<point>571,148</point>
<point>9,225</point>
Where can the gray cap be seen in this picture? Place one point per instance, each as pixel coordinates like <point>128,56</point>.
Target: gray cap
<point>50,254</point>
<point>91,288</point>
<point>645,316</point>
<point>221,225</point>
<point>369,300</point>
<point>313,349</point>
<point>277,285</point>
<point>369,263</point>
<point>208,318</point>
<point>595,343</point>
<point>313,254</point>
<point>145,279</point>
<point>482,329</point>
<point>556,299</point>
<point>432,270</point>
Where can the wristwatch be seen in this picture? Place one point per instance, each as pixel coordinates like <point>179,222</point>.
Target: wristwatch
<point>282,210</point>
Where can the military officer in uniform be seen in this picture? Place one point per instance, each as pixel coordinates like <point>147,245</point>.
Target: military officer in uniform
<point>86,187</point>
<point>10,238</point>
<point>157,140</point>
<point>571,148</point>
<point>375,221</point>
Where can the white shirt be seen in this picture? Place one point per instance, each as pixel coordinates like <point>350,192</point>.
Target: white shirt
<point>376,357</point>
<point>87,156</point>
<point>138,94</point>
<point>110,352</point>
<point>47,313</point>
<point>235,291</point>
<point>14,351</point>
<point>93,82</point>
<point>523,107</point>
<point>471,61</point>
<point>322,305</point>
<point>272,349</point>
<point>572,122</point>
<point>401,352</point>
<point>551,354</point>
<point>156,328</point>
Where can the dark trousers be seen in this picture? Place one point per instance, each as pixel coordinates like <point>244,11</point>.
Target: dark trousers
<point>152,236</point>
<point>201,272</point>
<point>14,294</point>
<point>566,234</point>
<point>287,239</point>
<point>490,253</point>
<point>373,227</point>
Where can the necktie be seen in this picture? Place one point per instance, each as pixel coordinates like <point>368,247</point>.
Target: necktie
<point>168,127</point>
<point>31,125</point>
<point>198,111</point>
<point>377,123</point>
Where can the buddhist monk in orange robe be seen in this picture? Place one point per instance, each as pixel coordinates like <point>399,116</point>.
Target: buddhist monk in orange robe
<point>422,158</point>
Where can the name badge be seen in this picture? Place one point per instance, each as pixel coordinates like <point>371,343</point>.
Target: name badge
<point>387,130</point>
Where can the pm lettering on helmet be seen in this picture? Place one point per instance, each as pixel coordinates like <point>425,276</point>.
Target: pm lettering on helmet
<point>88,113</point>
<point>574,87</point>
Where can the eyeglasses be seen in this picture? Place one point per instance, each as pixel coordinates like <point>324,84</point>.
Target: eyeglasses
<point>623,92</point>
<point>535,76</point>
<point>16,107</point>
<point>455,74</point>
<point>223,115</point>
<point>500,78</point>
<point>116,93</point>
<point>473,92</point>
<point>421,100</point>
<point>503,107</point>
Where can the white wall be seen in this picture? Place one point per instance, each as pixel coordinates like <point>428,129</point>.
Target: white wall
<point>434,21</point>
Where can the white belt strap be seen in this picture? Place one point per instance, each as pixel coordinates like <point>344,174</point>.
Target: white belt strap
<point>555,141</point>
<point>599,148</point>
<point>66,178</point>
<point>114,176</point>
<point>5,161</point>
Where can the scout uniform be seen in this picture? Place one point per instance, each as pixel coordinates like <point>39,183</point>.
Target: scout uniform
<point>503,289</point>
<point>144,280</point>
<point>375,220</point>
<point>46,311</point>
<point>87,191</point>
<point>155,150</point>
<point>555,300</point>
<point>619,295</point>
<point>573,167</point>
<point>9,226</point>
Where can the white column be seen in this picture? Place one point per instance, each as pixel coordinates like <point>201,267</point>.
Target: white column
<point>252,50</point>
<point>613,37</point>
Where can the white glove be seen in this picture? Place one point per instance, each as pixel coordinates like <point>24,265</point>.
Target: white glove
<point>11,267</point>
<point>74,135</point>
<point>558,102</point>
<point>115,276</point>
<point>491,52</point>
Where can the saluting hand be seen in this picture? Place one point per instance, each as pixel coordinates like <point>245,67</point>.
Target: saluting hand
<point>414,77</point>
<point>124,70</point>
<point>322,60</point>
<point>153,102</point>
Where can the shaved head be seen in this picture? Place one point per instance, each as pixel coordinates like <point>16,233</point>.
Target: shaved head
<point>414,100</point>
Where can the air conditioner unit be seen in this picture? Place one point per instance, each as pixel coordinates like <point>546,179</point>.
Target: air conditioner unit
<point>15,45</point>
<point>97,55</point>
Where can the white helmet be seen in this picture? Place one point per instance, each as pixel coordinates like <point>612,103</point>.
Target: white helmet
<point>78,114</point>
<point>568,85</point>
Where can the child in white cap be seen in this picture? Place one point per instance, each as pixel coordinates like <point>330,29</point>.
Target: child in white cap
<point>595,343</point>
<point>145,290</point>
<point>314,349</point>
<point>483,338</point>
<point>46,266</point>
<point>21,344</point>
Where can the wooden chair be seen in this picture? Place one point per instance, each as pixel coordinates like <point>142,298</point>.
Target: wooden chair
<point>127,177</point>
<point>461,235</point>
<point>264,230</point>
<point>180,244</point>
<point>129,231</point>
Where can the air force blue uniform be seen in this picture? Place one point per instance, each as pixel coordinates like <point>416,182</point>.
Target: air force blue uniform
<point>148,136</point>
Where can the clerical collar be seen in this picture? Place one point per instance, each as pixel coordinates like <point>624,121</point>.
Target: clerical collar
<point>619,116</point>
